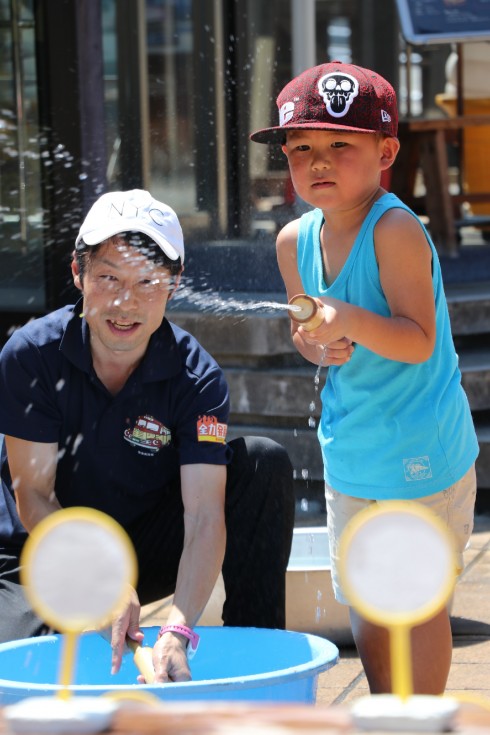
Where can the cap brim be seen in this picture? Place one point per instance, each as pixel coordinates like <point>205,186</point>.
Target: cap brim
<point>278,134</point>
<point>95,237</point>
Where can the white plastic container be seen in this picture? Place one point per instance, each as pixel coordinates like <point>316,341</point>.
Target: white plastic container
<point>310,603</point>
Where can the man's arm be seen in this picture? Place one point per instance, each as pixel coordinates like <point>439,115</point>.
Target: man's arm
<point>33,470</point>
<point>203,495</point>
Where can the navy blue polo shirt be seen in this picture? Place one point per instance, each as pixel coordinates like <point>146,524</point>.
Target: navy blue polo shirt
<point>115,453</point>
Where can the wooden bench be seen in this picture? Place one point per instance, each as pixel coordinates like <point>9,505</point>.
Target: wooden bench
<point>424,145</point>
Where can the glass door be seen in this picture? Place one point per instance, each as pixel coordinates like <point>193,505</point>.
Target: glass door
<point>21,213</point>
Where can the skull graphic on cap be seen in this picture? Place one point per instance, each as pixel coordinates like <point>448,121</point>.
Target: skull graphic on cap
<point>338,91</point>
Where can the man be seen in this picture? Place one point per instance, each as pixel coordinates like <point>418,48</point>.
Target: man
<point>108,405</point>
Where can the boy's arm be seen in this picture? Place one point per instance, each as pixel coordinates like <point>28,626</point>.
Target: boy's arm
<point>405,268</point>
<point>337,351</point>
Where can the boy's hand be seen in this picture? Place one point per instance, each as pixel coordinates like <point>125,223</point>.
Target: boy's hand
<point>337,353</point>
<point>335,324</point>
<point>334,353</point>
<point>326,344</point>
<point>334,349</point>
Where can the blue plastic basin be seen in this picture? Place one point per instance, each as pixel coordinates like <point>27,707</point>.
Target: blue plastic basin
<point>242,664</point>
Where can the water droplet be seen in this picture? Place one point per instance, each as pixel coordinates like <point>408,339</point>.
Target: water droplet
<point>304,504</point>
<point>304,475</point>
<point>76,443</point>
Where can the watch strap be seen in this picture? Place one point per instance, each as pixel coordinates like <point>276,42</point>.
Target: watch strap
<point>187,632</point>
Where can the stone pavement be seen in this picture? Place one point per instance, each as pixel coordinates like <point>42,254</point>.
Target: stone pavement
<point>470,672</point>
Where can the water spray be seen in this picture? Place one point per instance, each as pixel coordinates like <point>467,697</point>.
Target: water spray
<point>308,311</point>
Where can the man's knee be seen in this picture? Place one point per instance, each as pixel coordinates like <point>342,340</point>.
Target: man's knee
<point>260,453</point>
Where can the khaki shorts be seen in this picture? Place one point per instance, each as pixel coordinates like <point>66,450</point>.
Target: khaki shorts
<point>455,506</point>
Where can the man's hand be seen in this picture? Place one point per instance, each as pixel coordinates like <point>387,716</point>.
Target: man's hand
<point>170,659</point>
<point>125,623</point>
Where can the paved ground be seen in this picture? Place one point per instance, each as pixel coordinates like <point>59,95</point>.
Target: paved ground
<point>470,673</point>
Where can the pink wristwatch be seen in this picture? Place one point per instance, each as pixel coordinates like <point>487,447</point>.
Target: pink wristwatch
<point>185,631</point>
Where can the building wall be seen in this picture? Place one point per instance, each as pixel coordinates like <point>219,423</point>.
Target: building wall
<point>158,94</point>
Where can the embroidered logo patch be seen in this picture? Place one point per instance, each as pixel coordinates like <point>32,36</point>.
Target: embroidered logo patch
<point>417,468</point>
<point>286,113</point>
<point>210,430</point>
<point>338,92</point>
<point>149,434</point>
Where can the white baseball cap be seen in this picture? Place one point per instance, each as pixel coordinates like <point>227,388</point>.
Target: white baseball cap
<point>133,211</point>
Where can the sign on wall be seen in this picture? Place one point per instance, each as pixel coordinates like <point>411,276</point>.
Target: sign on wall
<point>444,21</point>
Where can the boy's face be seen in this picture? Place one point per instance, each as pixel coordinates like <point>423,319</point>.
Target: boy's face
<point>336,170</point>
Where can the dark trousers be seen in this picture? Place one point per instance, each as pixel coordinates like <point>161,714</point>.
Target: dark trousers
<point>259,510</point>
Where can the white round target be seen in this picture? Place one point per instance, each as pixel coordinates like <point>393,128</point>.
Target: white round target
<point>76,567</point>
<point>397,563</point>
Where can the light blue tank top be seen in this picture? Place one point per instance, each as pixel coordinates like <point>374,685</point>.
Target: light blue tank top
<point>388,429</point>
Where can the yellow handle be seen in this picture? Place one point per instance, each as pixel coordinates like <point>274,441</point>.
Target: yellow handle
<point>401,661</point>
<point>143,658</point>
<point>70,643</point>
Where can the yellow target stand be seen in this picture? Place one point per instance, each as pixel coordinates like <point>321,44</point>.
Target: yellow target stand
<point>76,567</point>
<point>397,567</point>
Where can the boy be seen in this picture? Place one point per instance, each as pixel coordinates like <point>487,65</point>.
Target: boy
<point>395,421</point>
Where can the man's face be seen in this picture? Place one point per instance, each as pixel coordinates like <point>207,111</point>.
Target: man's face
<point>124,299</point>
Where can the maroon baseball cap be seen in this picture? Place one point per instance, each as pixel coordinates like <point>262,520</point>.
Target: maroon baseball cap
<point>334,96</point>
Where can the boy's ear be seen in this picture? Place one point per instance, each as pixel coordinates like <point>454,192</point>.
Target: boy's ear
<point>389,152</point>
<point>284,149</point>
